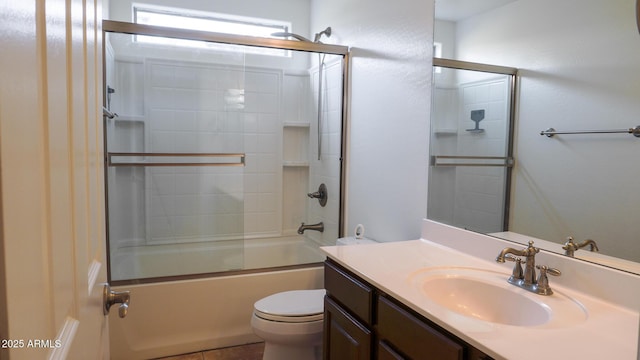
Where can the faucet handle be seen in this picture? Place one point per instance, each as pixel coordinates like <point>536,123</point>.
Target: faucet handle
<point>517,273</point>
<point>548,270</point>
<point>512,258</point>
<point>543,280</point>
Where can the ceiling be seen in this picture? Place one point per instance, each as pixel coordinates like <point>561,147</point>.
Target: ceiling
<point>454,10</point>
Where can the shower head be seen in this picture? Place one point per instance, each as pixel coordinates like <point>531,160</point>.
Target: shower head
<point>326,32</point>
<point>288,34</point>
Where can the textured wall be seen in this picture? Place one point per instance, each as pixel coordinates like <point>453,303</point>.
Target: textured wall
<point>391,46</point>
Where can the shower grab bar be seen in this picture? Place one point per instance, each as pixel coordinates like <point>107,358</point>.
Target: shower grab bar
<point>506,161</point>
<point>635,131</point>
<point>107,113</point>
<point>111,162</point>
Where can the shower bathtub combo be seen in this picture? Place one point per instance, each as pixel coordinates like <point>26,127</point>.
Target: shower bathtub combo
<point>210,171</point>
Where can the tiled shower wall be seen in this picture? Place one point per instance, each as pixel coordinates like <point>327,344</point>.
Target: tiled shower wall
<point>197,108</point>
<point>270,114</point>
<point>327,169</point>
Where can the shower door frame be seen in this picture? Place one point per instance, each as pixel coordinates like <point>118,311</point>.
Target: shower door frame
<point>111,26</point>
<point>512,99</point>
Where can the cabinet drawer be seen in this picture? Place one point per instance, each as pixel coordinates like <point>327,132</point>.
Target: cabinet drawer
<point>414,338</point>
<point>349,291</point>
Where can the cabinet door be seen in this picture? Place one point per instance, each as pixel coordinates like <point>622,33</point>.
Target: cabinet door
<point>344,337</point>
<point>385,352</point>
<point>405,333</point>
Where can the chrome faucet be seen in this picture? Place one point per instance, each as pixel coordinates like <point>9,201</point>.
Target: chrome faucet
<point>570,247</point>
<point>529,253</point>
<point>317,227</point>
<point>527,279</point>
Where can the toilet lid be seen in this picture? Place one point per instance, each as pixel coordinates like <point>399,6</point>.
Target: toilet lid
<point>292,306</point>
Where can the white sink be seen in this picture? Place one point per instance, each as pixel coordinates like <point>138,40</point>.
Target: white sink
<point>487,296</point>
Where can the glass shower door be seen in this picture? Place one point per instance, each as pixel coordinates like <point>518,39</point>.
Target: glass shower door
<point>175,158</point>
<point>471,126</point>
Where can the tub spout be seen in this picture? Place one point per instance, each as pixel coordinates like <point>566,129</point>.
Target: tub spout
<point>317,227</point>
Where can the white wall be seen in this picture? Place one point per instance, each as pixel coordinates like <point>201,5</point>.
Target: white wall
<point>391,46</point>
<point>579,185</point>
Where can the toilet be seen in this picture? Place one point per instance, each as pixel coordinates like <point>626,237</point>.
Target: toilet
<point>291,322</point>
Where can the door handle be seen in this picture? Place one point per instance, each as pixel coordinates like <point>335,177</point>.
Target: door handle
<point>110,297</point>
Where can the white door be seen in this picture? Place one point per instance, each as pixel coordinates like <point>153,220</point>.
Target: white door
<point>52,242</point>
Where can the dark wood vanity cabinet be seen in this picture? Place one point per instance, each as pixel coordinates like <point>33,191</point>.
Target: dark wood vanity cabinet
<point>348,315</point>
<point>361,322</point>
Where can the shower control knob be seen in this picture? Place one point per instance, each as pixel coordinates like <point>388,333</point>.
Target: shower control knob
<point>321,195</point>
<point>110,297</point>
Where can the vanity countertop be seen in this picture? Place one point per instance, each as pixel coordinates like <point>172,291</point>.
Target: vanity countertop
<point>610,330</point>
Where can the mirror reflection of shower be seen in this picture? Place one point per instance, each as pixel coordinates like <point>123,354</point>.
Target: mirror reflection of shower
<point>469,176</point>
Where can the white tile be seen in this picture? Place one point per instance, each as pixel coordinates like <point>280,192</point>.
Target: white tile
<point>268,103</point>
<point>267,162</point>
<point>162,75</point>
<point>186,184</point>
<point>160,227</point>
<point>251,143</point>
<point>207,121</point>
<point>162,184</point>
<point>268,183</point>
<point>161,98</point>
<point>185,205</point>
<point>252,182</point>
<point>251,101</point>
<point>162,141</point>
<point>186,99</point>
<point>251,202</point>
<point>250,123</point>
<point>186,142</point>
<point>269,123</point>
<point>268,143</point>
<point>212,100</point>
<point>267,202</point>
<point>208,79</point>
<point>185,120</point>
<point>161,206</point>
<point>162,119</point>
<point>186,77</point>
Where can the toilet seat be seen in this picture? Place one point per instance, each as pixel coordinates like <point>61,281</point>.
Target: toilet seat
<point>292,306</point>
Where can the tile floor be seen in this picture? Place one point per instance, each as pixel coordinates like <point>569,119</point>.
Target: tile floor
<point>243,352</point>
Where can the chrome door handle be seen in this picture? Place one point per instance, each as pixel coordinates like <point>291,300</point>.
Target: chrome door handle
<point>110,297</point>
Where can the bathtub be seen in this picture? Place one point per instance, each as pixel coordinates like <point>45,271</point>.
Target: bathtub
<point>177,317</point>
<point>140,262</point>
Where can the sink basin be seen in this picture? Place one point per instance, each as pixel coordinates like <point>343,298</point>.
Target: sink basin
<point>485,301</point>
<point>486,295</point>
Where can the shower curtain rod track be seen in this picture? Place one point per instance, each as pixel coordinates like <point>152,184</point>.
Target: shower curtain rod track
<point>635,131</point>
<point>142,29</point>
<point>111,155</point>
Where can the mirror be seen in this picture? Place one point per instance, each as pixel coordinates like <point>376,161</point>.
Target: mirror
<point>579,69</point>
